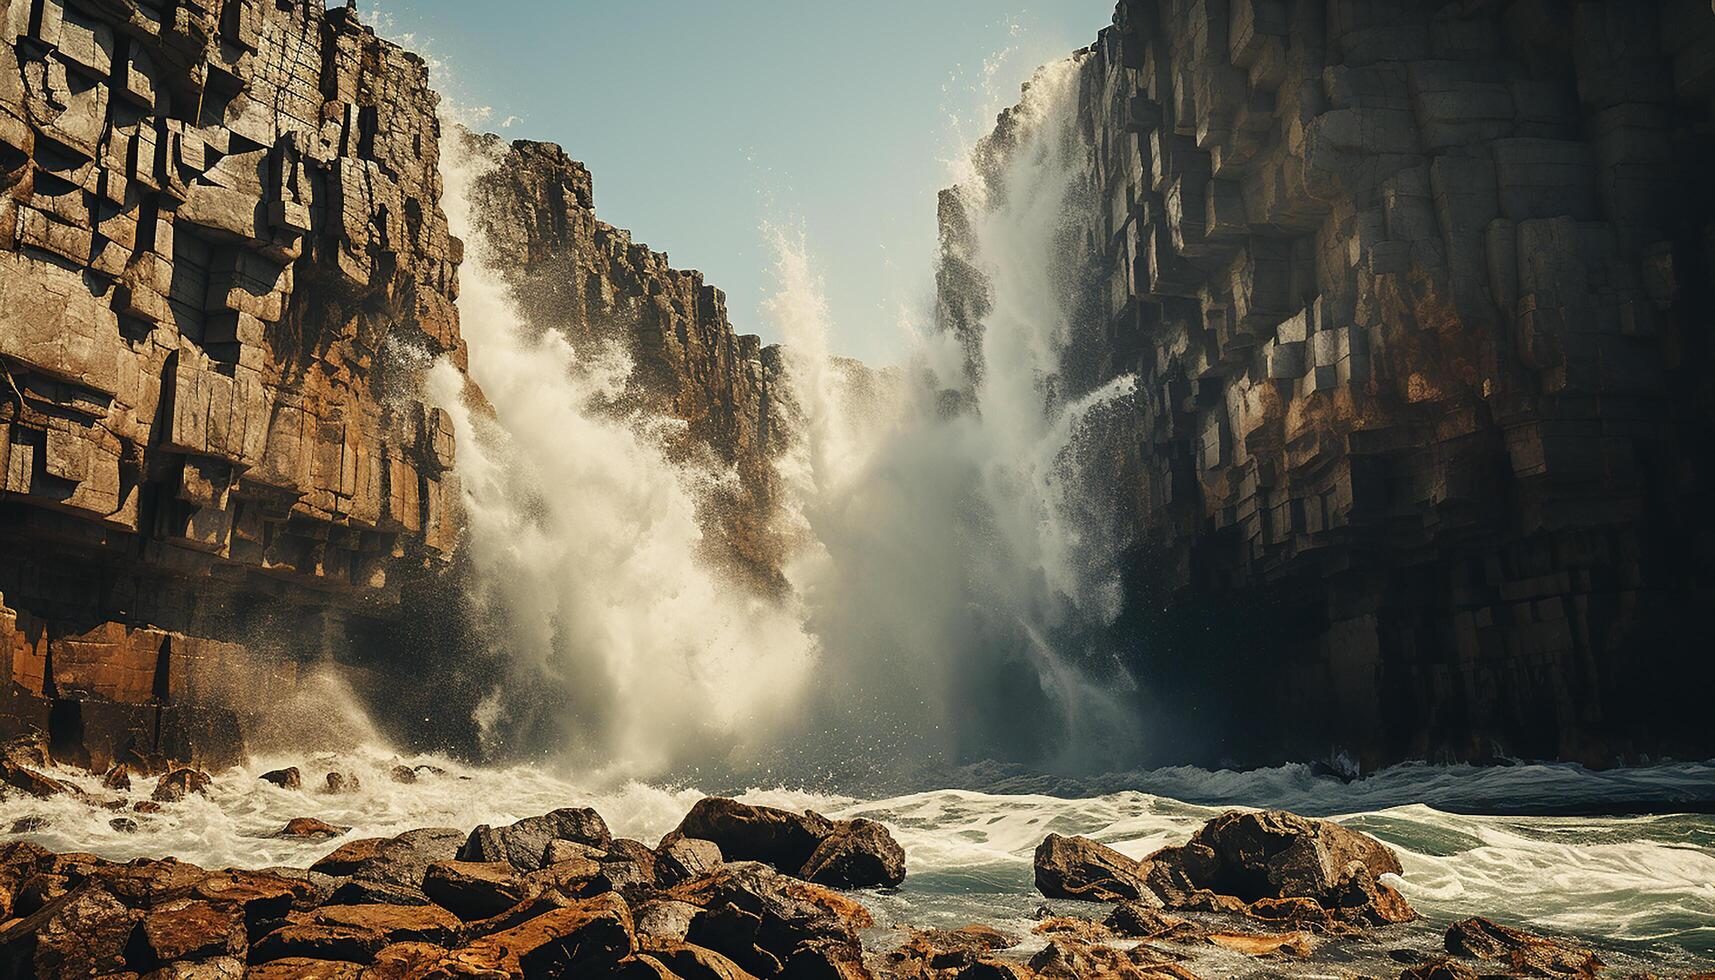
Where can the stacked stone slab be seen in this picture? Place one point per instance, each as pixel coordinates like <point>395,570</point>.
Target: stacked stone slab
<point>1416,293</point>
<point>223,267</point>
<point>574,273</point>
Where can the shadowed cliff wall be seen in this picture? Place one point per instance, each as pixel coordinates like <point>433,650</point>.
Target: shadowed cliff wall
<point>1417,297</point>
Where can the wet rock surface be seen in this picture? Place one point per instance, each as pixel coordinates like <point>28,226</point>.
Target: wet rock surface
<point>412,906</point>
<point>220,233</point>
<point>1389,276</point>
<point>844,853</point>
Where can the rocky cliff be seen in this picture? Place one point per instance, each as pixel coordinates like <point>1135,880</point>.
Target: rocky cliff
<point>223,267</point>
<point>574,273</point>
<point>1417,297</point>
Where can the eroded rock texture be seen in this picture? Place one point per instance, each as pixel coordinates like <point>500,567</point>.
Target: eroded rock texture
<point>574,273</point>
<point>223,267</point>
<point>1416,294</point>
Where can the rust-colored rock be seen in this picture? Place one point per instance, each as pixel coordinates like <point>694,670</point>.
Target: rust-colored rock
<point>588,935</point>
<point>222,226</point>
<point>1077,867</point>
<point>744,832</point>
<point>192,930</point>
<point>524,843</point>
<point>476,889</point>
<point>946,954</point>
<point>858,854</point>
<point>683,858</point>
<point>309,828</point>
<point>1521,952</point>
<point>180,783</point>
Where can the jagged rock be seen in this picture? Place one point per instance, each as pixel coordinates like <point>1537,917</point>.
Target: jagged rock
<point>180,783</point>
<point>846,853</point>
<point>771,924</point>
<point>1296,944</point>
<point>683,858</point>
<point>388,870</point>
<point>1274,855</point>
<point>858,854</point>
<point>1077,867</point>
<point>744,832</point>
<point>1145,920</point>
<point>309,828</point>
<point>561,851</point>
<point>192,930</point>
<point>934,954</point>
<point>475,890</point>
<point>685,960</point>
<point>573,272</point>
<point>1065,959</point>
<point>342,782</point>
<point>80,933</point>
<point>32,782</point>
<point>663,920</point>
<point>344,860</point>
<point>287,778</point>
<point>262,896</point>
<point>193,312</point>
<point>355,933</point>
<point>124,825</point>
<point>1523,953</point>
<point>524,843</point>
<point>118,778</point>
<point>587,935</point>
<point>213,968</point>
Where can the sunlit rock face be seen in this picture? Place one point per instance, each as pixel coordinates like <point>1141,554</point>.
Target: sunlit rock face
<point>223,270</point>
<point>575,274</point>
<point>1414,295</point>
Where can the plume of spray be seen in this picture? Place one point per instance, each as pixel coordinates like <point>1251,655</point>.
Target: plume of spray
<point>621,647</point>
<point>952,578</point>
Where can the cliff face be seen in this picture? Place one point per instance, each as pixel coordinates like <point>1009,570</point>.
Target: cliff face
<point>587,279</point>
<point>223,266</point>
<point>1416,294</point>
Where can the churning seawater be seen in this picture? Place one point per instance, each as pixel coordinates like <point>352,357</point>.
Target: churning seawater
<point>940,551</point>
<point>1640,886</point>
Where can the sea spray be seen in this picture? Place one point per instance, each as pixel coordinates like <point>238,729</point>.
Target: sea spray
<point>622,649</point>
<point>952,581</point>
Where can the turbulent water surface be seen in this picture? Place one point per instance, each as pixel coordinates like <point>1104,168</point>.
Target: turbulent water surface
<point>951,564</point>
<point>1641,886</point>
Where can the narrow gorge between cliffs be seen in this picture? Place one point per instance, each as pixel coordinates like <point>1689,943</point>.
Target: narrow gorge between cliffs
<point>1283,432</point>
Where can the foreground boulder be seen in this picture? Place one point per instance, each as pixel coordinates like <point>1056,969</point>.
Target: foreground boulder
<point>180,783</point>
<point>388,870</point>
<point>1077,867</point>
<point>1272,865</point>
<point>838,853</point>
<point>1273,856</point>
<point>524,843</point>
<point>772,925</point>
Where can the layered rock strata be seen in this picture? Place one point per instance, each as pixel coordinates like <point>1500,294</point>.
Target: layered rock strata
<point>576,274</point>
<point>1416,297</point>
<point>223,267</point>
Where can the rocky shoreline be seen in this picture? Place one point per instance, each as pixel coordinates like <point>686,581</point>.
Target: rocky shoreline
<point>733,891</point>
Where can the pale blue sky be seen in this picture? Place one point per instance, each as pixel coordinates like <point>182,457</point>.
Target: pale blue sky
<point>702,120</point>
